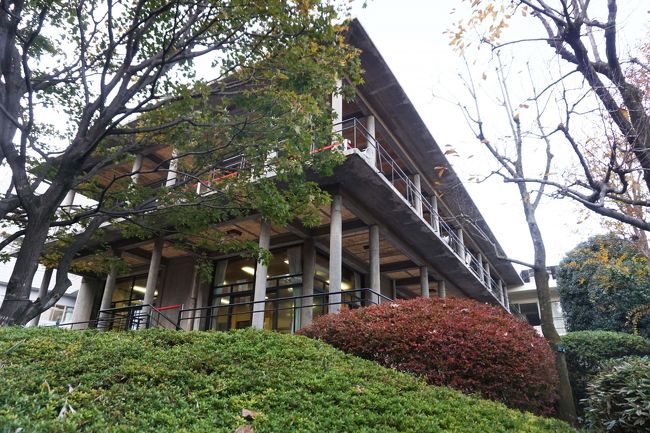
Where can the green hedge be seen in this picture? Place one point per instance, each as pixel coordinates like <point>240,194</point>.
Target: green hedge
<point>167,381</point>
<point>586,350</point>
<point>618,397</point>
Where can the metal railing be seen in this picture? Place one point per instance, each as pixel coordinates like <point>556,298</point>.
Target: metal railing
<point>132,317</point>
<point>356,136</point>
<point>210,315</point>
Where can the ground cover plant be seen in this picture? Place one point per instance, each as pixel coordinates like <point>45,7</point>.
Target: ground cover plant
<point>587,350</point>
<point>166,381</point>
<point>461,343</point>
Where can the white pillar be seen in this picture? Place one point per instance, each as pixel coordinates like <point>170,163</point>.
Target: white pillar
<point>68,201</point>
<point>461,245</point>
<point>201,323</point>
<point>259,304</point>
<point>371,148</point>
<point>417,194</point>
<point>308,273</point>
<point>337,103</point>
<point>173,167</point>
<point>479,259</point>
<point>393,284</point>
<point>194,296</point>
<point>294,256</point>
<point>84,304</point>
<point>488,279</point>
<point>42,292</point>
<point>504,289</point>
<point>442,289</point>
<point>336,254</point>
<point>135,168</point>
<point>424,281</point>
<point>435,222</point>
<point>107,297</point>
<point>152,276</point>
<point>373,253</point>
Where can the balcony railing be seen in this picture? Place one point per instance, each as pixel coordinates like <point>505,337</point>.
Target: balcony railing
<point>128,318</point>
<point>211,316</point>
<point>355,137</point>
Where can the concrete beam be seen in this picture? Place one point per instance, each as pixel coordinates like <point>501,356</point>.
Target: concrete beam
<point>398,266</point>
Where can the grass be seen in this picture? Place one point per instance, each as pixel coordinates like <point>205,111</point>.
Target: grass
<point>166,381</point>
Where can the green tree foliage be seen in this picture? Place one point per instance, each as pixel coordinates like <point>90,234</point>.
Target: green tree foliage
<point>87,85</point>
<point>601,282</point>
<point>168,381</point>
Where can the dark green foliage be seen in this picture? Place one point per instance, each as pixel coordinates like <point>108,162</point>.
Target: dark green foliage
<point>472,347</point>
<point>165,381</point>
<point>587,350</point>
<point>619,397</point>
<point>601,282</point>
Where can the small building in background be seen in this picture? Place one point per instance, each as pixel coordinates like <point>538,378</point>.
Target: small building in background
<point>61,312</point>
<point>524,302</point>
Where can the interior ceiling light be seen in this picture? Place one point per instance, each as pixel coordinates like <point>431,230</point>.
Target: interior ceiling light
<point>248,269</point>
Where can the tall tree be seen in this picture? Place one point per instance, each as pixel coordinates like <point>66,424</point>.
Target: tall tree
<point>87,85</point>
<point>584,37</point>
<point>514,165</point>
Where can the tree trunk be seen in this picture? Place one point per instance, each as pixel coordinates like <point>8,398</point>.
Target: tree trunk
<point>566,404</point>
<point>19,287</point>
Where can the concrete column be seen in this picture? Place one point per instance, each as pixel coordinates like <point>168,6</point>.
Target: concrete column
<point>200,323</point>
<point>135,168</point>
<point>373,259</point>
<point>371,148</point>
<point>261,269</point>
<point>84,304</point>
<point>424,281</point>
<point>107,297</point>
<point>173,166</point>
<point>506,300</point>
<point>481,273</point>
<point>417,194</point>
<point>488,279</point>
<point>294,256</point>
<point>42,292</point>
<point>393,285</point>
<point>152,276</point>
<point>188,325</point>
<point>435,222</point>
<point>461,245</point>
<point>442,289</point>
<point>68,201</point>
<point>308,273</point>
<point>336,254</point>
<point>337,103</point>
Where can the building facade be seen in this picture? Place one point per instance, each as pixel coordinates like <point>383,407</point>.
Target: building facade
<point>400,225</point>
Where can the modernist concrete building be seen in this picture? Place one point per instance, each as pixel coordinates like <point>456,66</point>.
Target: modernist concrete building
<point>400,225</point>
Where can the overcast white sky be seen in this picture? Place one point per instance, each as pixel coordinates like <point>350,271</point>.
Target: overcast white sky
<point>409,34</point>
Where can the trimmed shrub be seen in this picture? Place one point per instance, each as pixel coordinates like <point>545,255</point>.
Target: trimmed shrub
<point>619,397</point>
<point>587,350</point>
<point>195,382</point>
<point>469,346</point>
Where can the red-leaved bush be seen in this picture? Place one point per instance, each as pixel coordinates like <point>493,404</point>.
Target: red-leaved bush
<point>460,343</point>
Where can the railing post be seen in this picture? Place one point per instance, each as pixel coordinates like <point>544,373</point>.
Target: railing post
<point>373,259</point>
<point>336,252</point>
<point>260,278</point>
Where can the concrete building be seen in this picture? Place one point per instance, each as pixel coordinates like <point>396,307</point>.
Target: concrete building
<point>400,225</point>
<point>524,302</point>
